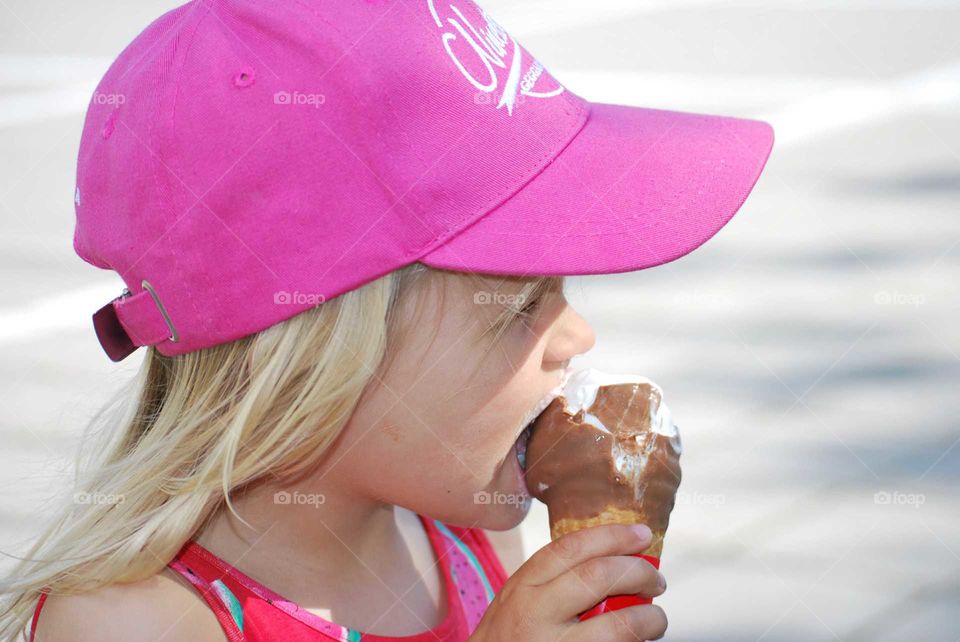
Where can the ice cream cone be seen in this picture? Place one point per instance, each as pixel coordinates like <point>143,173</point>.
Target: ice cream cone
<point>606,451</point>
<point>610,515</point>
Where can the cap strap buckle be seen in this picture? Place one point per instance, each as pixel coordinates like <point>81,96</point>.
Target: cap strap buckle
<point>174,337</point>
<point>130,321</point>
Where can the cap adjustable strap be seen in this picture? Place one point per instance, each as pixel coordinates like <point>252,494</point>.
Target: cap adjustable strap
<point>133,320</point>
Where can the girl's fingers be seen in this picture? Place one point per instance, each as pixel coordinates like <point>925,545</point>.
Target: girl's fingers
<point>643,622</point>
<point>591,581</point>
<point>566,552</point>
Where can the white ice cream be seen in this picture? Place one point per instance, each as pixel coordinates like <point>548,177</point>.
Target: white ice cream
<point>579,389</point>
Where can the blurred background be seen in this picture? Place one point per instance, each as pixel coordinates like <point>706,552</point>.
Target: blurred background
<point>810,352</point>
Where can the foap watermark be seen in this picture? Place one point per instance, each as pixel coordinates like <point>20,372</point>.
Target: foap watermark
<point>486,98</point>
<point>83,497</point>
<point>896,498</point>
<point>484,297</point>
<point>108,99</point>
<point>708,298</point>
<point>701,499</point>
<point>299,98</point>
<point>500,499</point>
<point>884,297</point>
<point>296,498</point>
<point>298,298</point>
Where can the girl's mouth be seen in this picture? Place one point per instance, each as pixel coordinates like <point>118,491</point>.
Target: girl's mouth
<point>520,446</point>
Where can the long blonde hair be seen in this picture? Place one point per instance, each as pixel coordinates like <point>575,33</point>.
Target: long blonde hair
<point>188,431</point>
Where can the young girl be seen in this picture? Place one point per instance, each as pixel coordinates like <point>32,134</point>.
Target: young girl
<point>344,228</point>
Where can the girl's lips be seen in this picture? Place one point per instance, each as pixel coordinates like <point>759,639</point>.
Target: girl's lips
<point>521,447</point>
<point>541,405</point>
<point>521,475</point>
<point>533,413</point>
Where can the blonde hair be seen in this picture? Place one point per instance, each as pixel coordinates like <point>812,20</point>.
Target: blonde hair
<point>190,430</point>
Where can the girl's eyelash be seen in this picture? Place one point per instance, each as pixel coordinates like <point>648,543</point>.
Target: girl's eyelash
<point>528,308</point>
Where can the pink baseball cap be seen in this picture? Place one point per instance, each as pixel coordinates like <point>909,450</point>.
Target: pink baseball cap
<point>244,161</point>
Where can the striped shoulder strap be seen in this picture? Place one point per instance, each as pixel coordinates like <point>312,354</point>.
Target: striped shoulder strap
<point>224,604</point>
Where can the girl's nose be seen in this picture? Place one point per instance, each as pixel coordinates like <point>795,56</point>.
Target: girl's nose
<point>573,336</point>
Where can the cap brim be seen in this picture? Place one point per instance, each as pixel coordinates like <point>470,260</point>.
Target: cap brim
<point>636,187</point>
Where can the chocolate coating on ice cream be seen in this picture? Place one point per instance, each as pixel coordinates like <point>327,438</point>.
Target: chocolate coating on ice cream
<point>606,446</point>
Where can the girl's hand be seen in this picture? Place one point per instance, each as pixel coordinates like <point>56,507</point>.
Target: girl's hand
<point>541,601</point>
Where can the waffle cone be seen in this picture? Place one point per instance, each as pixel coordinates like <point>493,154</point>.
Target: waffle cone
<point>610,515</point>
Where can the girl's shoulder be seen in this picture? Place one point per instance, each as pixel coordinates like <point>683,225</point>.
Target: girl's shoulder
<point>167,606</point>
<point>164,606</point>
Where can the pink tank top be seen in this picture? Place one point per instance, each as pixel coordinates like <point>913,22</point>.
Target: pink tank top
<point>249,611</point>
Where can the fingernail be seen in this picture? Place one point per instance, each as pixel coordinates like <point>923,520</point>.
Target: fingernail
<point>642,531</point>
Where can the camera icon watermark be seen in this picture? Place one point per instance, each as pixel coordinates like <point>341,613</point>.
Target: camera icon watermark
<point>83,497</point>
<point>299,98</point>
<point>487,98</point>
<point>884,297</point>
<point>896,498</point>
<point>297,498</point>
<point>282,297</point>
<point>487,498</point>
<point>710,298</point>
<point>485,297</point>
<point>700,499</point>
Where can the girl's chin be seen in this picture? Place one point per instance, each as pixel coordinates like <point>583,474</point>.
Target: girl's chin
<point>503,518</point>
